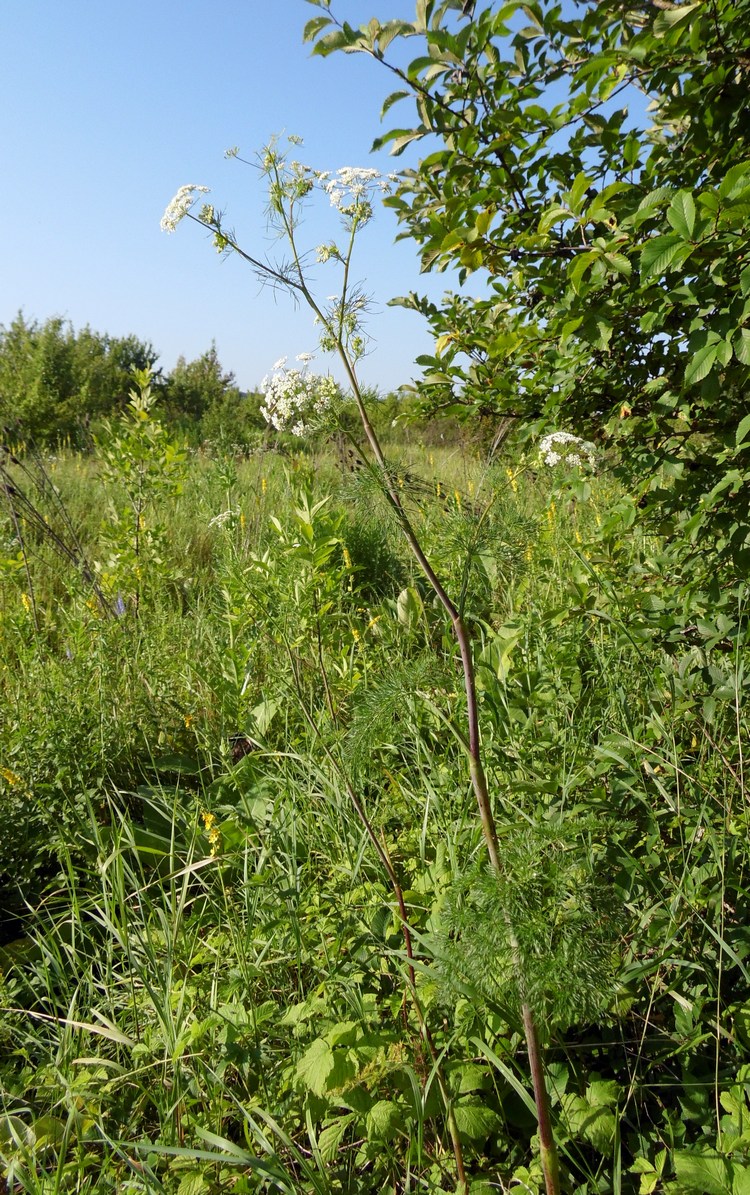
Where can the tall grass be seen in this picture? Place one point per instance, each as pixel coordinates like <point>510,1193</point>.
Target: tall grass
<point>204,979</point>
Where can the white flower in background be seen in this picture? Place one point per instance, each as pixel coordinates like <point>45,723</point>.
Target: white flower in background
<point>305,358</point>
<point>294,398</point>
<point>220,519</point>
<point>180,205</point>
<point>565,448</point>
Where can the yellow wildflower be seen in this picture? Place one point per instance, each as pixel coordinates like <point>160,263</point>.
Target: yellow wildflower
<point>457,497</point>
<point>263,485</point>
<point>347,559</point>
<point>10,776</point>
<point>188,721</point>
<point>26,602</point>
<point>242,520</point>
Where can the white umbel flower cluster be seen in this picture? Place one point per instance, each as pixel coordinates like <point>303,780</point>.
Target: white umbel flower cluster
<point>351,189</point>
<point>567,449</point>
<point>180,205</point>
<point>296,399</point>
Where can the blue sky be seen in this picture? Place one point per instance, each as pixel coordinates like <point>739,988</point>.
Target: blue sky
<point>106,109</point>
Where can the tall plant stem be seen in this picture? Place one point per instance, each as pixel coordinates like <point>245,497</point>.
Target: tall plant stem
<point>293,279</point>
<point>547,1146</point>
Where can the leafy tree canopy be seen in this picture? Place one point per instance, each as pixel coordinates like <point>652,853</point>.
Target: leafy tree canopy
<point>592,163</point>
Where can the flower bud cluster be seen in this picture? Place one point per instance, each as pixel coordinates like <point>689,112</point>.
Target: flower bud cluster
<point>564,447</point>
<point>296,399</point>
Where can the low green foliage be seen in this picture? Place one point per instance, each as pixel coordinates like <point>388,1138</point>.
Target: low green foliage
<point>203,974</point>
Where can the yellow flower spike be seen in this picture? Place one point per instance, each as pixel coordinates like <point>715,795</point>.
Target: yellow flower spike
<point>26,602</point>
<point>439,490</point>
<point>347,559</point>
<point>214,839</point>
<point>431,460</point>
<point>10,776</point>
<point>457,496</point>
<point>208,820</point>
<point>242,520</point>
<point>263,485</point>
<point>188,721</point>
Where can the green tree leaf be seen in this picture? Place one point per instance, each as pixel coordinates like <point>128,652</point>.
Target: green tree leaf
<point>681,214</point>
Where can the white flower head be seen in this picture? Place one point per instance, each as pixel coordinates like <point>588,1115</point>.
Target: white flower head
<point>564,447</point>
<point>296,399</point>
<point>180,205</point>
<point>351,190</point>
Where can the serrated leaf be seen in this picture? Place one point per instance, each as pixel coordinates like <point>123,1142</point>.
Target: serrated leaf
<point>681,214</point>
<point>619,263</point>
<point>671,17</point>
<point>701,363</point>
<point>658,253</point>
<point>743,431</point>
<point>703,1173</point>
<point>313,27</point>
<point>192,1184</point>
<point>332,1135</point>
<point>475,1121</point>
<point>383,1120</point>
<point>315,1065</point>
<point>741,345</point>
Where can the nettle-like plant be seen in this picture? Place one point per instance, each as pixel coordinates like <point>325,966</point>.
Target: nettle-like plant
<point>144,466</point>
<point>299,401</point>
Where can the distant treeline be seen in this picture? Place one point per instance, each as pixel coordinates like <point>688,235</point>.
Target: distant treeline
<point>60,386</point>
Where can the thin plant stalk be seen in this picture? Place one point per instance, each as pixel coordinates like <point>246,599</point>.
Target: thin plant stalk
<point>337,337</point>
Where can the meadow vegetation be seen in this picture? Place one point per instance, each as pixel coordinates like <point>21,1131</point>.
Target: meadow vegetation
<point>374,809</point>
<point>204,977</point>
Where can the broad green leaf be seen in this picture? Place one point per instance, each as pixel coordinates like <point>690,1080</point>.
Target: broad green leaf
<point>383,1120</point>
<point>192,1184</point>
<point>409,607</point>
<point>703,1173</point>
<point>475,1121</point>
<point>315,1066</point>
<point>741,345</point>
<point>332,1135</point>
<point>669,18</point>
<point>701,364</point>
<point>658,253</point>
<point>681,214</point>
<point>619,263</point>
<point>313,27</point>
<point>743,430</point>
